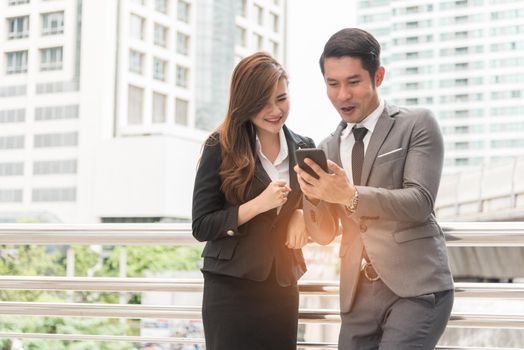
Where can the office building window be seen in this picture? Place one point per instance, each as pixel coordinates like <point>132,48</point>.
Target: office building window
<point>182,43</point>
<point>183,11</point>
<point>52,23</point>
<point>136,27</point>
<point>508,78</point>
<point>18,27</point>
<point>51,59</point>
<point>258,41</point>
<point>56,112</point>
<point>411,25</point>
<point>181,112</point>
<point>160,35</point>
<point>159,108</point>
<point>275,22</point>
<point>275,48</point>
<point>17,2</point>
<point>411,101</point>
<point>12,169</point>
<point>66,139</point>
<point>12,116</point>
<point>242,8</point>
<point>135,104</point>
<point>161,6</point>
<point>54,167</point>
<point>136,61</point>
<point>11,196</point>
<point>182,76</point>
<point>241,36</point>
<point>13,90</point>
<point>159,69</point>
<point>60,194</point>
<point>16,62</point>
<point>12,142</point>
<point>517,29</point>
<point>259,14</point>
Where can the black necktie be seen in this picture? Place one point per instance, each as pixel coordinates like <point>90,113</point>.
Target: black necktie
<point>357,155</point>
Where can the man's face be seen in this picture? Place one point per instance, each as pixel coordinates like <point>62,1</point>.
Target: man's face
<point>350,88</point>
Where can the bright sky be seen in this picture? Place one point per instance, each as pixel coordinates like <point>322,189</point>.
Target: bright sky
<point>310,24</point>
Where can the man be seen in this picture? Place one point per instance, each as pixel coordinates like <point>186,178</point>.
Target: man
<point>385,163</point>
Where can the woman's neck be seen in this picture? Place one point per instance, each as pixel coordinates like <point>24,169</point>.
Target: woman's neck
<point>270,144</point>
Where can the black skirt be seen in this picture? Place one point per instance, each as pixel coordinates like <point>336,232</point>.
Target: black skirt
<point>240,314</point>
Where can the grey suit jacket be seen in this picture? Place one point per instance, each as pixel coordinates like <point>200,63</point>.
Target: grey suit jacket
<point>395,220</point>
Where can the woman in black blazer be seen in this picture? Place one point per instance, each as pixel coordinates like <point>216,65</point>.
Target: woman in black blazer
<point>245,196</point>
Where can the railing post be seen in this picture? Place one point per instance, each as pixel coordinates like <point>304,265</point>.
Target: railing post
<point>122,268</point>
<point>70,270</point>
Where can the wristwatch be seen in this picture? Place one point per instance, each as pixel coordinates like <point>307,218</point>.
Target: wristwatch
<point>351,207</point>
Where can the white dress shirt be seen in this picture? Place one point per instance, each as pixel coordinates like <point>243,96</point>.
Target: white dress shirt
<point>347,140</point>
<point>279,169</point>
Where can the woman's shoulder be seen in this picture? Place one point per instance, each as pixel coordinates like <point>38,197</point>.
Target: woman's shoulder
<point>301,140</point>
<point>211,147</point>
<point>213,140</point>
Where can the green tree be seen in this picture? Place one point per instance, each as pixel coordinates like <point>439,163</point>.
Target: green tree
<point>27,260</point>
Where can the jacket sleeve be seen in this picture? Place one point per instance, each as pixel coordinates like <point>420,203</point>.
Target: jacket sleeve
<point>213,217</point>
<point>414,202</point>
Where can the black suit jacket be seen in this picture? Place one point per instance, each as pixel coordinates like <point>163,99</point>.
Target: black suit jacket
<point>246,251</point>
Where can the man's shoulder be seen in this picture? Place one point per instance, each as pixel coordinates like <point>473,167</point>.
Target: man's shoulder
<point>333,135</point>
<point>410,114</point>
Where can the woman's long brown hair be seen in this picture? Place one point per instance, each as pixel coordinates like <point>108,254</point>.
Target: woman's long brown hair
<point>254,80</point>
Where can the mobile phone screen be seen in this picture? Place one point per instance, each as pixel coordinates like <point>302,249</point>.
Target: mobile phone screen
<point>315,154</point>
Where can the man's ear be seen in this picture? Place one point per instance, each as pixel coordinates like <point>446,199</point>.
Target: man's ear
<point>379,76</point>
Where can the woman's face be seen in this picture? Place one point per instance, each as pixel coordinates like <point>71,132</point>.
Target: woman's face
<point>273,116</point>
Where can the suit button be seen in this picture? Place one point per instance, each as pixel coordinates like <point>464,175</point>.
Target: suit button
<point>230,232</point>
<point>363,228</point>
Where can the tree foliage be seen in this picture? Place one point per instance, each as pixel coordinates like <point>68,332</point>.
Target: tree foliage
<point>28,260</point>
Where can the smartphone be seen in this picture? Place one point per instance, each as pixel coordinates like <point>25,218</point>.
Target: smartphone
<point>315,154</point>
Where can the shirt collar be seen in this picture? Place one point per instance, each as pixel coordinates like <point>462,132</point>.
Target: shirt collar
<point>282,154</point>
<point>370,121</point>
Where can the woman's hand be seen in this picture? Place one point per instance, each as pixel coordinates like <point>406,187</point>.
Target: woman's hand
<point>297,235</point>
<point>273,196</point>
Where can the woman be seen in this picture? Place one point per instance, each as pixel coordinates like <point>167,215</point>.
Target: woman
<point>245,195</point>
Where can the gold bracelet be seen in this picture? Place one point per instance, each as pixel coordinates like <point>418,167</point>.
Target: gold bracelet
<point>353,203</point>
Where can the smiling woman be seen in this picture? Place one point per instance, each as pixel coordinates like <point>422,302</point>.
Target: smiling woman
<point>246,206</point>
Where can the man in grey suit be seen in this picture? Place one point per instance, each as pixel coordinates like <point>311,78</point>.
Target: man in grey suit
<point>385,163</point>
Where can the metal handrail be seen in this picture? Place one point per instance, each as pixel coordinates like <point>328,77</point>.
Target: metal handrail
<point>458,234</point>
<point>325,288</point>
<point>175,340</point>
<point>306,316</point>
<point>493,234</point>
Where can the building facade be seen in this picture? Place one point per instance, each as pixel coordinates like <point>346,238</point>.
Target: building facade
<point>99,101</point>
<point>229,30</point>
<point>464,59</point>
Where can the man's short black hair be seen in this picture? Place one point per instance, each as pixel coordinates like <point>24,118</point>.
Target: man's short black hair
<point>354,42</point>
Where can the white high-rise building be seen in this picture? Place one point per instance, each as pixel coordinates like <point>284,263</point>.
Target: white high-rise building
<point>98,101</point>
<point>464,59</point>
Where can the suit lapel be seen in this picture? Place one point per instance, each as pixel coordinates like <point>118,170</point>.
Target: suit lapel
<point>260,174</point>
<point>333,144</point>
<point>381,131</point>
<point>293,143</point>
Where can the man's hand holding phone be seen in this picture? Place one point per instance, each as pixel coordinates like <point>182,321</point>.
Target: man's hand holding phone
<point>329,183</point>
